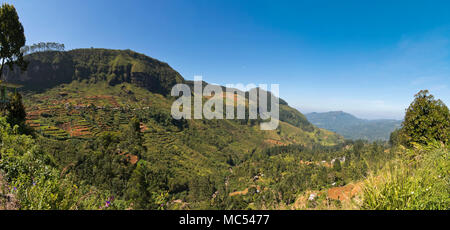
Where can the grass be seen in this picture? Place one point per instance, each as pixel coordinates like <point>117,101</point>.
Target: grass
<point>417,180</point>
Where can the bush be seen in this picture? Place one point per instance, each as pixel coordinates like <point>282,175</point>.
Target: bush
<point>33,179</point>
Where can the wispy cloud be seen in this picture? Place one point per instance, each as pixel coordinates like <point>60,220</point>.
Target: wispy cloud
<point>422,58</point>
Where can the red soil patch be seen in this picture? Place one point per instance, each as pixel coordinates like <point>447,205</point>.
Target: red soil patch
<point>306,162</point>
<point>143,127</point>
<point>274,142</point>
<point>111,99</point>
<point>344,193</point>
<point>76,131</point>
<point>324,164</point>
<point>36,113</point>
<point>32,124</point>
<point>133,159</point>
<point>245,191</point>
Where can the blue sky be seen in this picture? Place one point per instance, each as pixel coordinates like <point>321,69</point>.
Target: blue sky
<point>368,58</point>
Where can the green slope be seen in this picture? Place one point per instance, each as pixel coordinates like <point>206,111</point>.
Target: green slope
<point>49,69</point>
<point>78,99</point>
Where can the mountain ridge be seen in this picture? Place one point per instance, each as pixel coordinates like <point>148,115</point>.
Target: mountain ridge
<point>352,127</point>
<point>50,69</point>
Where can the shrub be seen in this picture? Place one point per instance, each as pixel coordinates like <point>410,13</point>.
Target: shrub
<point>33,179</point>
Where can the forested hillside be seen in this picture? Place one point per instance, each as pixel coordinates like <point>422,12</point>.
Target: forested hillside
<point>102,137</point>
<point>99,118</point>
<point>93,129</point>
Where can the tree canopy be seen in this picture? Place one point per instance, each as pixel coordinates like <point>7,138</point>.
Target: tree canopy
<point>426,118</point>
<point>43,46</point>
<point>12,38</point>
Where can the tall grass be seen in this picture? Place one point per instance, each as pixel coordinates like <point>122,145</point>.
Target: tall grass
<point>418,180</point>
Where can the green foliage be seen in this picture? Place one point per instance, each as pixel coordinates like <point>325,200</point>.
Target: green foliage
<point>395,138</point>
<point>418,180</point>
<point>146,186</point>
<point>426,119</point>
<point>52,68</point>
<point>42,47</point>
<point>16,113</point>
<point>12,38</point>
<point>102,165</point>
<point>201,188</point>
<point>295,118</point>
<point>35,181</point>
<point>94,129</point>
<point>337,165</point>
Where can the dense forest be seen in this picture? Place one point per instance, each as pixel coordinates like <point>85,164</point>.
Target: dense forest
<point>128,169</point>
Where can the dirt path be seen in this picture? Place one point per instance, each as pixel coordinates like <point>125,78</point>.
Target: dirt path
<point>7,200</point>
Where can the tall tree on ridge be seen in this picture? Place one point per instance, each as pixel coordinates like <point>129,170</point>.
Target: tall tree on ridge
<point>12,39</point>
<point>426,119</point>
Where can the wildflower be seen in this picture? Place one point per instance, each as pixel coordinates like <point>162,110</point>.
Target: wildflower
<point>412,192</point>
<point>14,188</point>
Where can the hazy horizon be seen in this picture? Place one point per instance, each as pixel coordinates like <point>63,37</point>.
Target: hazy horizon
<point>356,114</point>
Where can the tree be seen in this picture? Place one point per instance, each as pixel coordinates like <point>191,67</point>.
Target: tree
<point>42,47</point>
<point>146,184</point>
<point>12,39</point>
<point>16,111</point>
<point>425,119</point>
<point>337,165</point>
<point>133,138</point>
<point>201,188</point>
<point>394,138</point>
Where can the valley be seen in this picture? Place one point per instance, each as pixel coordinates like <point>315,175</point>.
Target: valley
<point>108,141</point>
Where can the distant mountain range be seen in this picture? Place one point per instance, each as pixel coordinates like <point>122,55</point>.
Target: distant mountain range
<point>352,127</point>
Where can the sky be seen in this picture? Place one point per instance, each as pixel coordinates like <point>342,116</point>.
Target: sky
<point>368,58</point>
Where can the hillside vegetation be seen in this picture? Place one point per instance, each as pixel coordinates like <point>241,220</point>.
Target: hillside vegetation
<point>98,134</point>
<point>102,122</point>
<point>51,68</point>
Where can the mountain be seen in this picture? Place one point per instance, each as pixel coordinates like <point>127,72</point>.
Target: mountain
<point>52,68</point>
<point>354,128</point>
<point>105,139</point>
<point>83,104</point>
<point>113,67</point>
